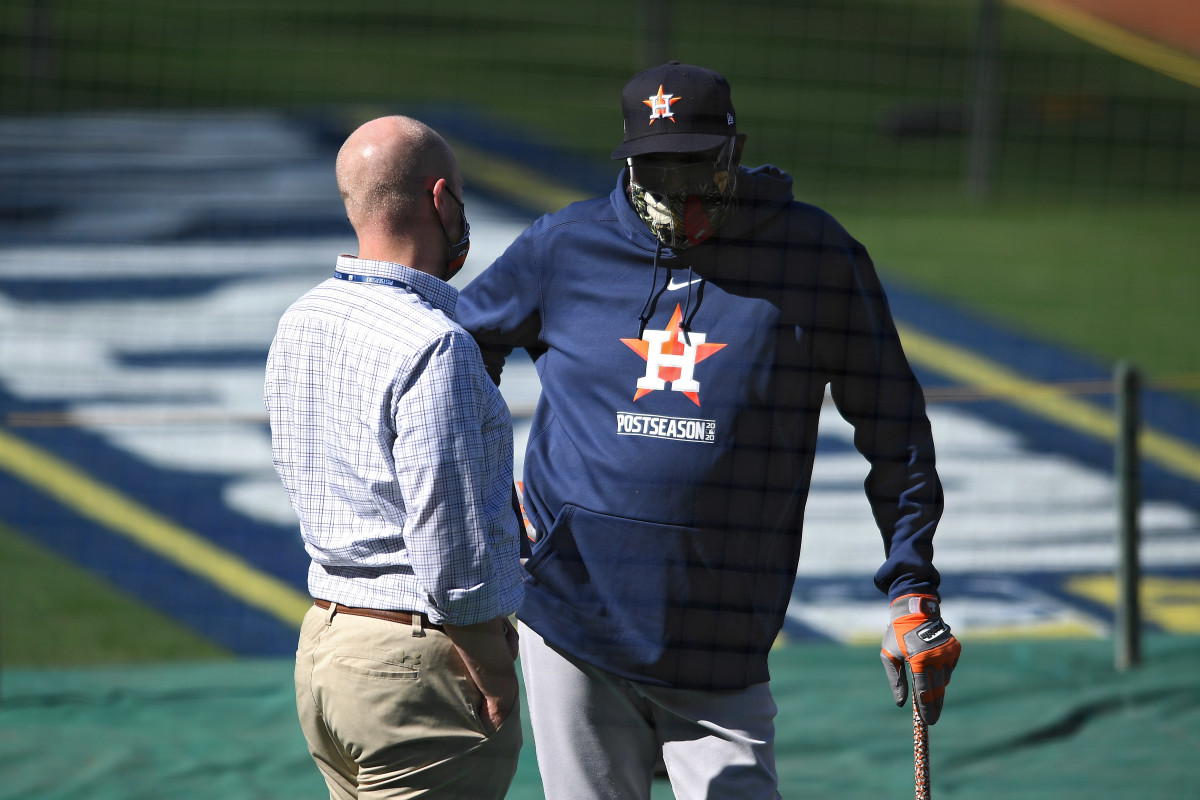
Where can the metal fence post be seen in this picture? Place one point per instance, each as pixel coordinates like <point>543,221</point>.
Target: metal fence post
<point>1127,629</point>
<point>654,33</point>
<point>983,125</point>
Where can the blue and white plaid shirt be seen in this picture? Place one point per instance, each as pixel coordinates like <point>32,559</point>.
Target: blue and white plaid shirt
<point>395,447</point>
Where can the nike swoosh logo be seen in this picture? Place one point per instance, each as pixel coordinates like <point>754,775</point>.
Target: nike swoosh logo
<point>672,285</point>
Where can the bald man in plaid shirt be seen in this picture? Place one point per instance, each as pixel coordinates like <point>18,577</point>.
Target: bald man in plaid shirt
<point>395,448</point>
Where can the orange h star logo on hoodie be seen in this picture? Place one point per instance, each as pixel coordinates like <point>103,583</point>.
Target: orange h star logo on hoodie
<point>670,359</point>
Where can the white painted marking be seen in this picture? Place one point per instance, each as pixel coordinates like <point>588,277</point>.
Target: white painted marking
<point>1009,508</point>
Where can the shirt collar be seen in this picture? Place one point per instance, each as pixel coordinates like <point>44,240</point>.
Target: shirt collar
<point>434,291</point>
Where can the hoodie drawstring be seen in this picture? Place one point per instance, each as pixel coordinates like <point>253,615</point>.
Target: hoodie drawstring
<point>689,312</point>
<point>652,299</point>
<point>685,324</point>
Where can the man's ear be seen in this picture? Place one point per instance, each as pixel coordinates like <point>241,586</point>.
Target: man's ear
<point>441,203</point>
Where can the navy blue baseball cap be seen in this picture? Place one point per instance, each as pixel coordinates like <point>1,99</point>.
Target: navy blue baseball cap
<point>675,108</point>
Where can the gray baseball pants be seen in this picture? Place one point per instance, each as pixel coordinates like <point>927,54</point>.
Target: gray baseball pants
<point>598,737</point>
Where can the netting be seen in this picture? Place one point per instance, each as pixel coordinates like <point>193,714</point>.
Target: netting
<point>166,189</point>
<point>859,98</point>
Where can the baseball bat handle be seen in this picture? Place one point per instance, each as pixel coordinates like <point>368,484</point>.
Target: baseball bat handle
<point>920,754</point>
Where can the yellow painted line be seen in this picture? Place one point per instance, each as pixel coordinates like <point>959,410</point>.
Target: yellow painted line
<point>529,188</point>
<point>191,551</point>
<point>1048,629</point>
<point>120,514</point>
<point>1171,603</point>
<point>1115,39</point>
<point>1061,629</point>
<point>1044,400</point>
<point>536,191</point>
<point>102,504</point>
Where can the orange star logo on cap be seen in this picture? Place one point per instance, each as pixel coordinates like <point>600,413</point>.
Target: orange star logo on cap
<point>660,105</point>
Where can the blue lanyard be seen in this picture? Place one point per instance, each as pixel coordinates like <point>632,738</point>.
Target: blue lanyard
<point>349,276</point>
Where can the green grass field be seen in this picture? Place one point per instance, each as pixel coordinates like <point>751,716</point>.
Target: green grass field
<point>54,613</point>
<point>1097,180</point>
<point>1113,280</point>
<point>1089,238</point>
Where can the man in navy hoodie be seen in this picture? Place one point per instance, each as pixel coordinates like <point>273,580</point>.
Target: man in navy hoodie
<point>685,329</point>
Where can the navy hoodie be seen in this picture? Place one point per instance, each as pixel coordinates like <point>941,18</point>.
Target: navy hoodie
<point>672,447</point>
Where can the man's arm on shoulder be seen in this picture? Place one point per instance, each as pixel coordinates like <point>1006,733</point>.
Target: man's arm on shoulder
<point>500,308</point>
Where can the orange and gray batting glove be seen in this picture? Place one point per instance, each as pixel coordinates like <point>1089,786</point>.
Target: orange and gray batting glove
<point>917,635</point>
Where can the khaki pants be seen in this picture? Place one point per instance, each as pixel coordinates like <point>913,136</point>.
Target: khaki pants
<point>389,711</point>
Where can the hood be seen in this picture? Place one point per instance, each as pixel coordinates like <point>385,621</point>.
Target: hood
<point>763,193</point>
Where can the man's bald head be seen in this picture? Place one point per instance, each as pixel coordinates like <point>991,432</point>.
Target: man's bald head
<point>386,166</point>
